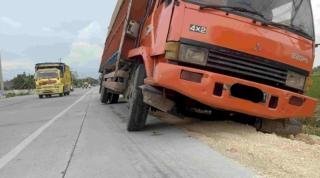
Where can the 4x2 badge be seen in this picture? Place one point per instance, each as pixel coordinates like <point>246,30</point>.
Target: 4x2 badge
<point>198,29</point>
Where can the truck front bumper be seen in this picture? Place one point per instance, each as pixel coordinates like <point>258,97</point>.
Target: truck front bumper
<point>278,103</point>
<point>49,90</point>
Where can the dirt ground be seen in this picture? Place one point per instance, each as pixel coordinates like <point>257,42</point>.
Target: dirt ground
<point>268,154</point>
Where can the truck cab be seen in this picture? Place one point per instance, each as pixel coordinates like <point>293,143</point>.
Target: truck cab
<point>52,79</point>
<point>246,56</point>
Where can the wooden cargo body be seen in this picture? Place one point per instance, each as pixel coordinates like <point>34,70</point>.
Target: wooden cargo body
<point>118,41</point>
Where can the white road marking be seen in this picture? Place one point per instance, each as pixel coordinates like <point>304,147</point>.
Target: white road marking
<point>21,146</point>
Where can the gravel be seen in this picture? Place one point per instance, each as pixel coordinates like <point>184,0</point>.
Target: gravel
<point>268,154</point>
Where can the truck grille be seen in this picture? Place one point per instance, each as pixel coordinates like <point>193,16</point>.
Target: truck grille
<point>246,66</point>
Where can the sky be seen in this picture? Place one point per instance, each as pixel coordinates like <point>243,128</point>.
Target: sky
<point>33,31</point>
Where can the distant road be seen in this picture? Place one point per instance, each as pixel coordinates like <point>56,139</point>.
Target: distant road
<point>76,136</point>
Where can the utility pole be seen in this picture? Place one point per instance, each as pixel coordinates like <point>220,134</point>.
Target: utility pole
<point>1,79</point>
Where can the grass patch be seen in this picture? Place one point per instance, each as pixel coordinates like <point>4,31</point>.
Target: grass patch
<point>314,91</point>
<point>12,94</point>
<point>312,125</point>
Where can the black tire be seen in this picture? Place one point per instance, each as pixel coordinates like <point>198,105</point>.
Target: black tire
<point>280,127</point>
<point>114,98</point>
<point>60,94</point>
<point>40,96</point>
<point>138,110</point>
<point>104,95</point>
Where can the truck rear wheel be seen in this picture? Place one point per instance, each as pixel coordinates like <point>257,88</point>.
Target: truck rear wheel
<point>114,98</point>
<point>280,127</point>
<point>104,95</point>
<point>138,110</point>
<point>40,96</point>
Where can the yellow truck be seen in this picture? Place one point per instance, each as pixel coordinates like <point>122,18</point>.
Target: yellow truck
<point>53,79</point>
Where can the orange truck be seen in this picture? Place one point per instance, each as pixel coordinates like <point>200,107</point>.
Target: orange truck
<point>251,57</point>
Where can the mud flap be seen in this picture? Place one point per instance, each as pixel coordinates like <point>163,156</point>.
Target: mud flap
<point>154,98</point>
<point>280,127</point>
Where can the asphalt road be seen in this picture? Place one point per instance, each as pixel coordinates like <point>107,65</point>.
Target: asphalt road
<point>76,136</point>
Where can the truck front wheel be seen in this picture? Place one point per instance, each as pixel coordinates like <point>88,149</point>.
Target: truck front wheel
<point>138,110</point>
<point>280,127</point>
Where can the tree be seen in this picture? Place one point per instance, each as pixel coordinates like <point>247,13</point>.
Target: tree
<point>92,81</point>
<point>75,79</point>
<point>23,81</point>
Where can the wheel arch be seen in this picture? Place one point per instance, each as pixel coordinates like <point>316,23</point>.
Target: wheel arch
<point>142,55</point>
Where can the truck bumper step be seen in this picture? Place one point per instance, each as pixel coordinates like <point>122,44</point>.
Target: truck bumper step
<point>154,98</point>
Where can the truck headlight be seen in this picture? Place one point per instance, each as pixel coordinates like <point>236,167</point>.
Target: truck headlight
<point>186,53</point>
<point>295,80</point>
<point>193,54</point>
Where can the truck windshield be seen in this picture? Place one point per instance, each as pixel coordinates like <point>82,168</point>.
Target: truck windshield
<point>47,75</point>
<point>293,15</point>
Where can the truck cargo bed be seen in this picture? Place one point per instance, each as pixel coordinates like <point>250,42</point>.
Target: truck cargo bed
<point>119,41</point>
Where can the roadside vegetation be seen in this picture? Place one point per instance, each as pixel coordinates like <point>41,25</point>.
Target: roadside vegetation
<point>22,84</point>
<point>312,126</point>
<point>77,83</point>
<point>14,94</point>
<point>314,91</point>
